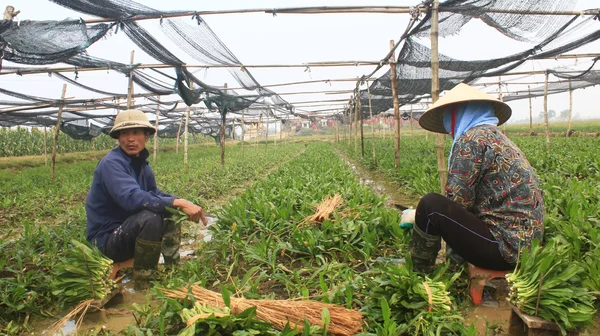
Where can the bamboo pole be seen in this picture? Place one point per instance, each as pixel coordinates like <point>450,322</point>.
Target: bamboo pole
<point>530,112</point>
<point>411,119</point>
<point>130,86</point>
<point>267,133</point>
<point>396,109</point>
<point>570,109</point>
<point>362,135</point>
<point>335,10</point>
<point>372,126</point>
<point>186,134</point>
<point>500,96</point>
<point>177,138</point>
<point>546,112</point>
<point>435,93</point>
<point>356,122</point>
<point>222,135</point>
<point>155,150</point>
<point>45,146</point>
<point>57,131</point>
<point>243,134</point>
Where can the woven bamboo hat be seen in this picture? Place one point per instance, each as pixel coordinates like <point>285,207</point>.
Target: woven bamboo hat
<point>131,119</point>
<point>432,119</point>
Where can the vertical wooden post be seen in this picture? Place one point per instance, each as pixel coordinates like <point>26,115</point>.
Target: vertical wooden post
<point>130,86</point>
<point>45,146</point>
<point>435,93</point>
<point>57,130</point>
<point>267,133</point>
<point>570,108</point>
<point>155,150</point>
<point>178,132</point>
<point>356,102</point>
<point>186,134</point>
<point>396,109</point>
<point>530,112</point>
<point>372,126</point>
<point>222,135</point>
<point>243,134</point>
<point>362,135</point>
<point>546,110</point>
<point>500,96</point>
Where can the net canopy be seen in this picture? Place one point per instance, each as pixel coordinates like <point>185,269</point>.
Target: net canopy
<point>49,42</point>
<point>552,35</point>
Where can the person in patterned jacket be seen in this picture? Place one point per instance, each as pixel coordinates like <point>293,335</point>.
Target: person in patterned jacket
<point>493,205</point>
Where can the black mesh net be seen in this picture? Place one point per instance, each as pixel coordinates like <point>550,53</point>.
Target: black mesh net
<point>554,35</point>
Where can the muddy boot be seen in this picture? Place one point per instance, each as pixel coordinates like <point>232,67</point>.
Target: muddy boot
<point>145,260</point>
<point>423,250</point>
<point>171,241</point>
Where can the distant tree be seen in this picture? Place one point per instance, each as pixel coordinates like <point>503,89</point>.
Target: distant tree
<point>551,115</point>
<point>564,114</point>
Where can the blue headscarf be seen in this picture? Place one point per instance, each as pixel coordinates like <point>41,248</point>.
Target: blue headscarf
<point>468,115</point>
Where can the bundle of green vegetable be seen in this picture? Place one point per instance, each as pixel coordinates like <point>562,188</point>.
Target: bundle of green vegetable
<point>82,274</point>
<point>548,283</point>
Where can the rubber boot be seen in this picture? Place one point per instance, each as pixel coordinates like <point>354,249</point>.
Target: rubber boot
<point>145,260</point>
<point>171,242</point>
<point>423,250</point>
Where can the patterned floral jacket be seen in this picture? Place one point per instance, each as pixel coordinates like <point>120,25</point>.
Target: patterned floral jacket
<point>491,177</point>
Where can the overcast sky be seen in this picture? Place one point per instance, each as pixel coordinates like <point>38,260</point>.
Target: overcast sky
<point>296,39</point>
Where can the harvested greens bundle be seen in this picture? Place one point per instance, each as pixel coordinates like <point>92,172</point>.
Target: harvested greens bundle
<point>82,274</point>
<point>548,283</point>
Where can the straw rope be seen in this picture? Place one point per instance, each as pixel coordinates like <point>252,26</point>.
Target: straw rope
<point>280,312</point>
<point>323,210</point>
<point>430,296</point>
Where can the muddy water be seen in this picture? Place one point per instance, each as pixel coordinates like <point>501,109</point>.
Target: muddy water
<point>380,184</point>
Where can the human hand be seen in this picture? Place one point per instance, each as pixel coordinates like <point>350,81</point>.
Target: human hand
<point>192,210</point>
<point>408,217</point>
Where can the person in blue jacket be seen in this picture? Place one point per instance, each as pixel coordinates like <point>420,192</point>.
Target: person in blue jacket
<point>126,216</point>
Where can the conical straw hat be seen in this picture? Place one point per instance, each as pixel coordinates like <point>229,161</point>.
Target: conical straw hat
<point>432,119</point>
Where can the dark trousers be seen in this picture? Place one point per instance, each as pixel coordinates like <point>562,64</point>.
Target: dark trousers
<point>466,234</point>
<point>146,225</point>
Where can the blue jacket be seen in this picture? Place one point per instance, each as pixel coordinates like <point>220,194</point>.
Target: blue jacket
<point>116,194</point>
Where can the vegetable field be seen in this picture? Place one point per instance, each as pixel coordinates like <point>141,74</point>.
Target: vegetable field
<point>267,243</point>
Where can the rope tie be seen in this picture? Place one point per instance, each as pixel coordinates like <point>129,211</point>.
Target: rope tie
<point>430,296</point>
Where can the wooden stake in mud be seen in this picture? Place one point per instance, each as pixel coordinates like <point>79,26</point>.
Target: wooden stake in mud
<point>546,111</point>
<point>435,93</point>
<point>155,150</point>
<point>372,126</point>
<point>530,112</point>
<point>396,109</point>
<point>45,146</point>
<point>130,86</point>
<point>57,131</point>
<point>222,135</point>
<point>570,108</point>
